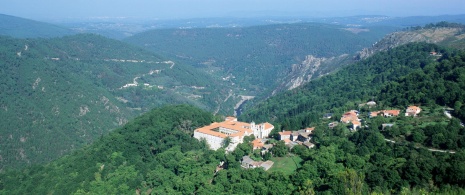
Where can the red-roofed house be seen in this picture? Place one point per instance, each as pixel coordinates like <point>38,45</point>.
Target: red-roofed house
<point>385,113</point>
<point>412,111</point>
<point>285,135</point>
<point>257,144</point>
<point>351,117</point>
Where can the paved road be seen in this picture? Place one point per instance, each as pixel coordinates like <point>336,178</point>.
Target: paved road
<point>430,149</point>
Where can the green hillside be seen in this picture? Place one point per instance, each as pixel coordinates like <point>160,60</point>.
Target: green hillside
<point>156,154</point>
<point>24,28</point>
<point>347,88</point>
<point>60,94</point>
<point>256,59</point>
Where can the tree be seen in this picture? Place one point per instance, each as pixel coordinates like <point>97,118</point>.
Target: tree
<point>279,149</point>
<point>226,142</point>
<point>351,182</point>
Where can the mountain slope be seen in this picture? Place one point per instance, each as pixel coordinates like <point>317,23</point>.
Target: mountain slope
<point>156,154</point>
<point>256,60</point>
<point>24,28</point>
<point>344,89</point>
<point>152,141</point>
<point>442,33</point>
<point>60,94</point>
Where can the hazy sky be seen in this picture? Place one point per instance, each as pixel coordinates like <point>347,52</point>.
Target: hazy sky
<point>55,9</point>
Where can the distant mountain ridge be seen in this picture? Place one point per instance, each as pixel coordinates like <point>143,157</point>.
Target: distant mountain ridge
<point>24,28</point>
<point>257,60</point>
<point>443,33</point>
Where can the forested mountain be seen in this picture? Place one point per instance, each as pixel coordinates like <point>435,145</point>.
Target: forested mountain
<point>24,28</point>
<point>364,81</point>
<point>59,94</point>
<point>257,60</point>
<point>442,33</point>
<point>156,153</point>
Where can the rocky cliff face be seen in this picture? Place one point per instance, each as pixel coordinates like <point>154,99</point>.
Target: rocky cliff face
<point>441,36</point>
<point>310,68</point>
<point>313,67</point>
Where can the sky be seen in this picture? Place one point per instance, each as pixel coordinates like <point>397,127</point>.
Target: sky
<point>179,9</point>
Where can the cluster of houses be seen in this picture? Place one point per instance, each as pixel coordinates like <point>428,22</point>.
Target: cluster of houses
<point>351,117</point>
<point>300,137</point>
<point>216,134</point>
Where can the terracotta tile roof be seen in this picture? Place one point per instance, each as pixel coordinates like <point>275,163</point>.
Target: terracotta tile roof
<point>241,128</point>
<point>310,128</point>
<point>285,133</point>
<point>374,114</point>
<point>268,125</point>
<point>356,122</point>
<point>231,118</point>
<point>414,109</point>
<point>287,141</point>
<point>392,112</point>
<point>210,132</point>
<point>257,143</point>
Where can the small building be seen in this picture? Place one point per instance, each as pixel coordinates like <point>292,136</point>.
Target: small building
<point>333,124</point>
<point>248,163</point>
<point>257,144</point>
<point>356,124</point>
<point>294,136</point>
<point>304,137</point>
<point>371,103</point>
<point>385,113</point>
<point>328,115</point>
<point>412,111</point>
<point>349,116</point>
<point>308,145</point>
<point>285,135</point>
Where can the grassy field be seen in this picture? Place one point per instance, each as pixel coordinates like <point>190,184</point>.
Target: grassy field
<point>287,164</point>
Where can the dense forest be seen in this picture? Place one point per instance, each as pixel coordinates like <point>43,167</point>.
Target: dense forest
<point>60,94</point>
<point>256,59</point>
<point>347,88</point>
<point>156,154</point>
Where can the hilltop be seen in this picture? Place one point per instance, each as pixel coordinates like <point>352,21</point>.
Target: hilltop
<point>442,33</point>
<point>25,28</point>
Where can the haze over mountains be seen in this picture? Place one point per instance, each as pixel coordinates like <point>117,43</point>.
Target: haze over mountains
<point>100,105</point>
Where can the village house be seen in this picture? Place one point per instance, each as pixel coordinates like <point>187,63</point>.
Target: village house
<point>412,111</point>
<point>266,148</point>
<point>333,124</point>
<point>248,163</point>
<point>385,113</point>
<point>257,144</point>
<point>351,117</point>
<point>369,104</point>
<point>216,133</point>
<point>300,137</point>
<point>285,135</point>
<point>328,115</point>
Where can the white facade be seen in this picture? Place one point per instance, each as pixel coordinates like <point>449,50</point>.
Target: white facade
<point>260,131</point>
<point>213,141</point>
<point>215,133</point>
